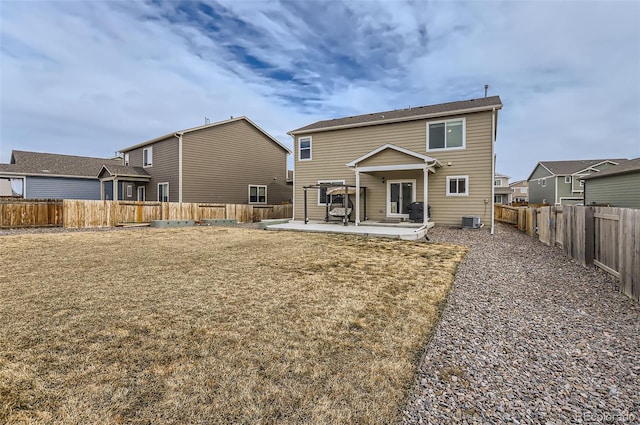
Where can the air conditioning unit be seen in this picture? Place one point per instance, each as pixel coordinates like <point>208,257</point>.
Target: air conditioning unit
<point>470,222</point>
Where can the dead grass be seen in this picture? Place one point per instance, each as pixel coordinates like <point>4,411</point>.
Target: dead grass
<point>211,325</point>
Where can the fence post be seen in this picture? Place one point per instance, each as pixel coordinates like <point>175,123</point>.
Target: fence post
<point>589,236</point>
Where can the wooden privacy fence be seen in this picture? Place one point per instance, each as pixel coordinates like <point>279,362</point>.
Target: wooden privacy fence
<point>19,213</point>
<point>79,214</point>
<point>605,237</point>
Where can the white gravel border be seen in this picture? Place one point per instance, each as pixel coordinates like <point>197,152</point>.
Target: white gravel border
<point>528,336</point>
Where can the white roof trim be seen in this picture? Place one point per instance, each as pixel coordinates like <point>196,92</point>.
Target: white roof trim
<point>393,120</point>
<point>401,167</point>
<point>376,151</point>
<point>189,130</point>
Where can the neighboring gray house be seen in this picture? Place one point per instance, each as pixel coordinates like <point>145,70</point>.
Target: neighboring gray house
<point>36,175</point>
<point>232,161</point>
<point>618,186</point>
<point>560,182</point>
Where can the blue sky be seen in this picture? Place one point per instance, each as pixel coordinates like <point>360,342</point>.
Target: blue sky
<point>89,78</point>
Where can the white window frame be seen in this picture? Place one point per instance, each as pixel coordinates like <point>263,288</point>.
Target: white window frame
<point>497,182</point>
<point>464,135</point>
<point>342,182</point>
<point>149,157</point>
<point>126,159</point>
<point>567,179</point>
<point>413,195</point>
<point>257,186</point>
<point>524,190</point>
<point>144,193</point>
<point>129,190</point>
<point>158,194</point>
<point>581,183</point>
<point>496,199</point>
<point>300,139</point>
<point>543,182</point>
<point>466,178</point>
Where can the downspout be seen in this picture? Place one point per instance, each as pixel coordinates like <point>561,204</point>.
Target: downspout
<point>493,167</point>
<point>179,136</point>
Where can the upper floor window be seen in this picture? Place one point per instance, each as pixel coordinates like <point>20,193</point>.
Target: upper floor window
<point>446,134</point>
<point>497,182</point>
<point>257,194</point>
<point>147,157</point>
<point>523,190</point>
<point>543,182</point>
<point>581,183</point>
<point>457,185</point>
<point>126,159</point>
<point>567,179</point>
<point>304,148</point>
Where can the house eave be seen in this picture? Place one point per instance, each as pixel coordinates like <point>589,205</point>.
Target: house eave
<point>396,120</point>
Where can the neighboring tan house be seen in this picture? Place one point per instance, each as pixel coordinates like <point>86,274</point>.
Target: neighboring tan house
<point>36,175</point>
<point>560,182</point>
<point>501,189</point>
<point>618,186</point>
<point>441,155</point>
<point>519,192</point>
<point>232,161</point>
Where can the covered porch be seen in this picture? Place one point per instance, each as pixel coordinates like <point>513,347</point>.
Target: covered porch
<point>123,183</point>
<point>402,176</point>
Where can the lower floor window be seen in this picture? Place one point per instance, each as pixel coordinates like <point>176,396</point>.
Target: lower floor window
<point>457,185</point>
<point>497,199</point>
<point>163,192</point>
<point>257,194</point>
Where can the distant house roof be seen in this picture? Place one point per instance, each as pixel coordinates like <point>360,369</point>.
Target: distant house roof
<point>408,114</point>
<point>202,127</point>
<point>630,166</point>
<point>51,164</point>
<point>566,168</point>
<point>519,183</point>
<point>502,175</point>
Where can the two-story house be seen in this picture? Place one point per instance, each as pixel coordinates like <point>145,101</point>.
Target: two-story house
<point>441,155</point>
<point>560,182</point>
<point>501,189</point>
<point>232,161</point>
<point>519,192</point>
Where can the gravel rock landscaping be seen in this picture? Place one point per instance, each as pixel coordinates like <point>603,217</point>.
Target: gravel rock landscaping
<point>528,336</point>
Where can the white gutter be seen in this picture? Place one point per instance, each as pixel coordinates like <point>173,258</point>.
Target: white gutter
<point>493,167</point>
<point>179,136</point>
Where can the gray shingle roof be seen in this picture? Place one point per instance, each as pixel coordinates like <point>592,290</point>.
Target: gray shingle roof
<point>404,114</point>
<point>55,164</point>
<point>630,166</point>
<point>125,170</point>
<point>570,167</point>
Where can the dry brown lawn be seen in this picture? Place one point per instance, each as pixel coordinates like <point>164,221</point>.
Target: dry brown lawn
<point>214,325</point>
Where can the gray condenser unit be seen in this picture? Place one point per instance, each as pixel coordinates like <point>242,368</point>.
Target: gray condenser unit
<point>470,222</point>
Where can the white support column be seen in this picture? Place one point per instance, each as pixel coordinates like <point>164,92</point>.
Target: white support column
<point>425,212</point>
<point>357,197</point>
<point>115,189</point>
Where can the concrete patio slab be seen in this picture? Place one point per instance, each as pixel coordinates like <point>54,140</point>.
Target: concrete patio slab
<point>394,232</point>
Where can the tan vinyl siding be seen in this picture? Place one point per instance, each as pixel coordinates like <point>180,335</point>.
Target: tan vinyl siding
<point>618,190</point>
<point>164,168</point>
<point>333,149</point>
<point>222,161</point>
